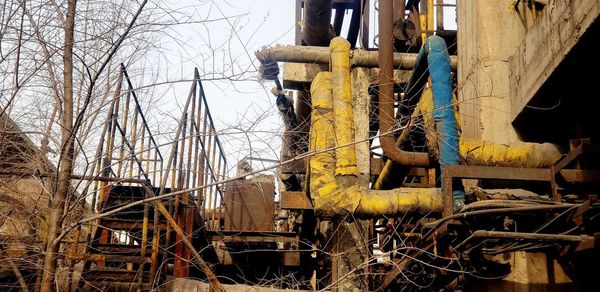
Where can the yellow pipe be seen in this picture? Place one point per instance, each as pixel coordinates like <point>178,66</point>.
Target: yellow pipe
<point>336,191</point>
<point>329,199</point>
<point>342,107</point>
<point>430,17</point>
<point>399,201</point>
<point>485,153</point>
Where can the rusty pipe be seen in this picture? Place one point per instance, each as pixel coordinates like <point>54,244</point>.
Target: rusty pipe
<point>522,236</point>
<point>386,93</point>
<point>320,55</point>
<point>316,29</point>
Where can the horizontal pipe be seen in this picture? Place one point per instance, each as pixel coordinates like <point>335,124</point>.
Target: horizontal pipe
<point>528,236</point>
<point>375,203</point>
<point>486,153</point>
<point>522,236</point>
<point>433,226</point>
<point>320,55</point>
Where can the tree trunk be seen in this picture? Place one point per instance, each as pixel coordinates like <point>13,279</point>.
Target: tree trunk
<point>65,167</point>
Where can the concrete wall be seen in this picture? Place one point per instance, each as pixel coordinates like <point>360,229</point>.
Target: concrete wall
<point>489,32</point>
<point>557,29</point>
<point>505,56</point>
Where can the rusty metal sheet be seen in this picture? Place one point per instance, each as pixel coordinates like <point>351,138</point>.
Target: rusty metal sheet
<point>249,205</point>
<point>291,259</point>
<point>295,201</point>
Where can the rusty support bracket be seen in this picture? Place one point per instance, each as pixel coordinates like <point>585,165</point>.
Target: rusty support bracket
<point>572,155</point>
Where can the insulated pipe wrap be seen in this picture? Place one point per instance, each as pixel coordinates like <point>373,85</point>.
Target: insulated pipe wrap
<point>518,154</point>
<point>331,197</point>
<point>322,136</point>
<point>400,201</point>
<point>342,108</point>
<point>341,195</point>
<point>443,107</point>
<point>485,153</point>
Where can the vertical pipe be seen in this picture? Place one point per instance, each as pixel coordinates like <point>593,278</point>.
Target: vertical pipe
<point>342,108</point>
<point>300,132</point>
<point>364,29</point>
<point>190,144</point>
<point>155,245</point>
<point>203,162</point>
<point>297,23</point>
<point>355,21</point>
<point>430,26</point>
<point>217,187</point>
<point>439,18</point>
<point>154,160</point>
<point>141,152</point>
<point>207,174</point>
<point>179,208</point>
<point>423,21</point>
<point>386,93</point>
<point>317,17</point>
<point>386,72</point>
<point>182,141</point>
<point>196,152</point>
<point>399,11</point>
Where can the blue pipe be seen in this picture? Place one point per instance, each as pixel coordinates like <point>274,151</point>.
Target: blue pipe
<point>438,60</point>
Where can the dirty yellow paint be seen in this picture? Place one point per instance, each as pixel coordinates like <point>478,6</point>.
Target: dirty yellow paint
<point>340,195</point>
<point>342,107</point>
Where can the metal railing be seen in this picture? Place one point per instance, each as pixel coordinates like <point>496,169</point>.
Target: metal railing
<point>200,159</point>
<point>127,150</point>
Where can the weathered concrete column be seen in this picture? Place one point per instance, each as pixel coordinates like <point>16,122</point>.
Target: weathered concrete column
<point>350,256</point>
<point>489,32</point>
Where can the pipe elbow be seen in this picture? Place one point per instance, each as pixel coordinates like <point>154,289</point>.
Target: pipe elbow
<point>393,152</point>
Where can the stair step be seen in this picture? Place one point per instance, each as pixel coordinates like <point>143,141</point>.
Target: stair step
<point>127,224</point>
<point>117,258</point>
<point>131,193</point>
<point>119,249</point>
<point>111,286</point>
<point>115,275</point>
